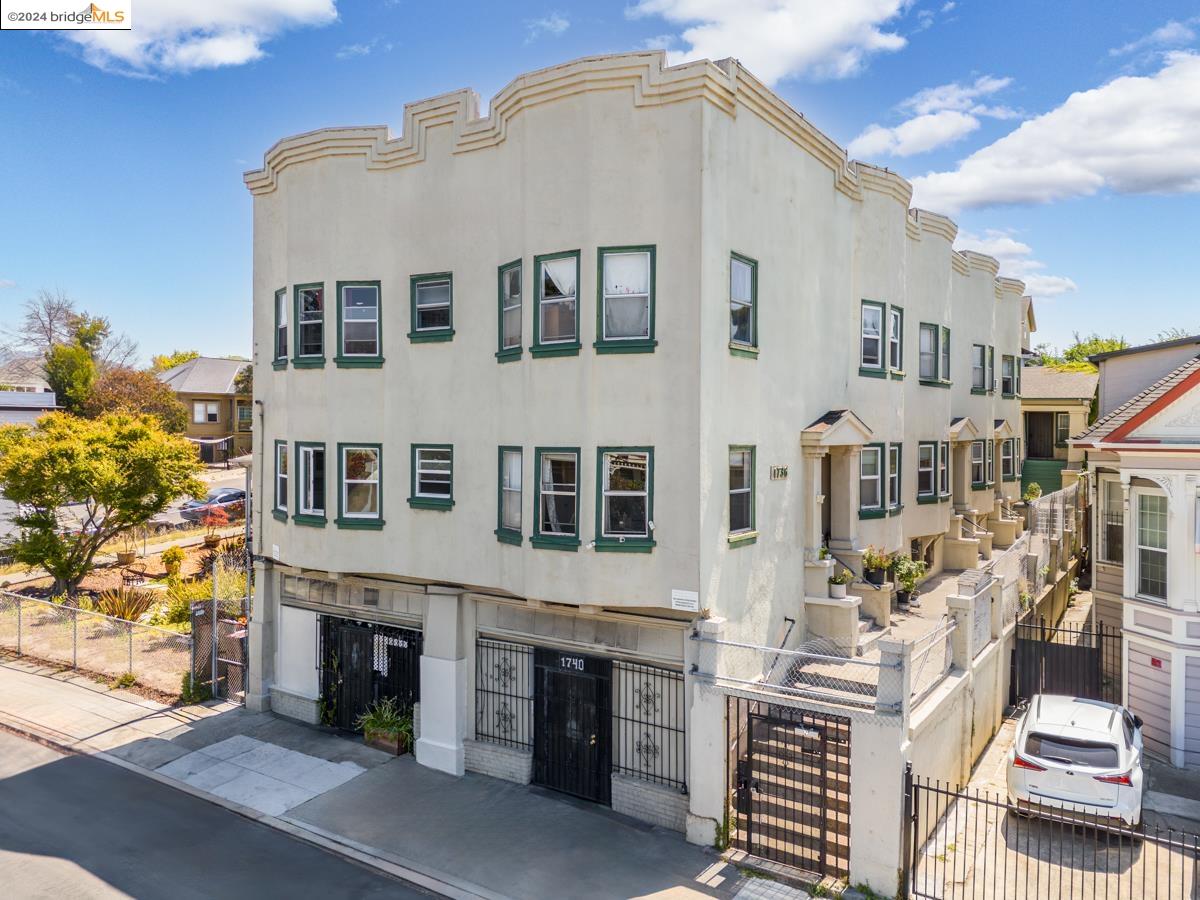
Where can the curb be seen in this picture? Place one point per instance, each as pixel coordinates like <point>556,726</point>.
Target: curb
<point>440,883</point>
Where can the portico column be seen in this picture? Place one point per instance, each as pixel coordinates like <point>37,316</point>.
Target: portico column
<point>814,500</point>
<point>443,682</point>
<point>961,474</point>
<point>843,514</point>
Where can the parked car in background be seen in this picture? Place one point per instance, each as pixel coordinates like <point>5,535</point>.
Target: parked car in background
<point>232,500</point>
<point>1080,755</point>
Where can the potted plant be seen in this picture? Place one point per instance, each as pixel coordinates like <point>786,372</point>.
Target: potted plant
<point>908,572</point>
<point>1032,491</point>
<point>386,727</point>
<point>838,582</point>
<point>875,565</point>
<point>128,552</point>
<point>172,560</point>
<point>214,520</point>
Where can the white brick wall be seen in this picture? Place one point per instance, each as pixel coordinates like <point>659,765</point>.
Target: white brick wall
<point>295,706</point>
<point>657,804</point>
<point>509,763</point>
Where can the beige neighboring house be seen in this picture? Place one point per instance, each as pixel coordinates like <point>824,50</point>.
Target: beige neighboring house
<point>220,420</point>
<point>1145,454</point>
<point>1055,404</point>
<point>22,373</point>
<point>556,388</point>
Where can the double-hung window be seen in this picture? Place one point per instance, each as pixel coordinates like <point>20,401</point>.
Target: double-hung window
<point>741,492</point>
<point>556,324</point>
<point>743,304</point>
<point>557,524</point>
<point>944,373</point>
<point>625,506</point>
<point>872,350</point>
<point>896,338</point>
<point>310,325</point>
<point>432,476</point>
<point>928,366</point>
<point>625,314</point>
<point>1008,378</point>
<point>1152,545</point>
<point>1062,428</point>
<point>894,457</point>
<point>978,478</point>
<point>511,477</point>
<point>431,300</point>
<point>990,449</point>
<point>281,479</point>
<point>944,469</point>
<point>978,368</point>
<point>206,412</point>
<point>1008,469</point>
<point>927,471</point>
<point>1112,549</point>
<point>310,487</point>
<point>870,479</point>
<point>281,328</point>
<point>358,324</point>
<point>360,500</point>
<point>991,369</point>
<point>510,311</point>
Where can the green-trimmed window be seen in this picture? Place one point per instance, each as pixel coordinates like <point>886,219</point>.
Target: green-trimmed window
<point>1008,378</point>
<point>895,458</point>
<point>310,483</point>
<point>991,369</point>
<point>990,450</point>
<point>978,479</point>
<point>927,471</point>
<point>1062,429</point>
<point>432,476</point>
<point>625,498</point>
<point>896,339</point>
<point>944,371</point>
<point>360,335</point>
<point>509,289</point>
<point>743,305</point>
<point>978,368</point>
<point>556,319</point>
<point>625,300</point>
<point>431,307</point>
<point>281,329</point>
<point>510,481</point>
<point>742,511</point>
<point>360,474</point>
<point>281,480</point>
<point>871,355</point>
<point>1008,468</point>
<point>556,498</point>
<point>310,325</point>
<point>944,469</point>
<point>928,349</point>
<point>871,487</point>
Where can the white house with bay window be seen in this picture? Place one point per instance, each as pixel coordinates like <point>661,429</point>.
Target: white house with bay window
<point>533,408</point>
<point>1145,454</point>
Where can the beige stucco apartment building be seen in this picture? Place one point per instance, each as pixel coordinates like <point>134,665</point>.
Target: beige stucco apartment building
<point>538,391</point>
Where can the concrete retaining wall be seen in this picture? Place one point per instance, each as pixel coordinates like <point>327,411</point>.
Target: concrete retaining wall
<point>653,803</point>
<point>295,706</point>
<point>508,763</point>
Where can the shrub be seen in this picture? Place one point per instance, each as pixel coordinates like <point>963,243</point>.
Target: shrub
<point>180,597</point>
<point>192,691</point>
<point>215,519</point>
<point>1033,491</point>
<point>385,716</point>
<point>172,560</point>
<point>125,681</point>
<point>125,603</point>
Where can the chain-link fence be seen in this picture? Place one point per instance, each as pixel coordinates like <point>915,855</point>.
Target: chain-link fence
<point>219,625</point>
<point>63,634</point>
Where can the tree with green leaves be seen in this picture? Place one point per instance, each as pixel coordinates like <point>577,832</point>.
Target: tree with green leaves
<point>1083,347</point>
<point>71,374</point>
<point>163,361</point>
<point>121,469</point>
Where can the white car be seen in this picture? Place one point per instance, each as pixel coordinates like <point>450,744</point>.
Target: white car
<point>1080,755</point>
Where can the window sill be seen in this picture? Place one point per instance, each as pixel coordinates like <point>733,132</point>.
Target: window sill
<point>279,364</point>
<point>430,503</point>
<point>930,499</point>
<point>308,362</point>
<point>358,362</point>
<point>431,337</point>
<point>640,345</point>
<point>359,524</point>
<point>978,485</point>
<point>547,350</point>
<point>280,515</point>
<point>309,520</point>
<point>505,536</point>
<point>933,382</point>
<point>742,538</point>
<point>898,374</point>
<point>508,355</point>
<point>1009,478</point>
<point>630,545</point>
<point>872,513</point>
<point>895,510</point>
<point>544,542</point>
<point>1008,396</point>
<point>743,350</point>
<point>871,373</point>
<point>979,392</point>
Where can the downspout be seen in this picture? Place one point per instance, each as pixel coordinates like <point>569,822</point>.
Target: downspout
<point>258,507</point>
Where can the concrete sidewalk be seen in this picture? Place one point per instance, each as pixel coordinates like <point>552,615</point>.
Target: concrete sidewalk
<point>463,837</point>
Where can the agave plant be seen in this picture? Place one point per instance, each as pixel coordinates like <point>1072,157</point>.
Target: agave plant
<point>126,603</point>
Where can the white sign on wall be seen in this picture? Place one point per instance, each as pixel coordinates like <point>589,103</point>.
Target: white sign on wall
<point>688,601</point>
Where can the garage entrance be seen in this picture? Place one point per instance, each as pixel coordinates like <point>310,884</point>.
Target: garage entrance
<point>572,724</point>
<point>362,662</point>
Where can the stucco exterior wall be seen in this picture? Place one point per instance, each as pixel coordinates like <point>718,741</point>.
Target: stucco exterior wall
<point>1124,377</point>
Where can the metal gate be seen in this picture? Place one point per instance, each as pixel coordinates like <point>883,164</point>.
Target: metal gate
<point>218,656</point>
<point>1072,660</point>
<point>572,724</point>
<point>362,662</point>
<point>790,785</point>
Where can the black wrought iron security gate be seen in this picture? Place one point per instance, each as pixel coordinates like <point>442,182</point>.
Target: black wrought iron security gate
<point>362,662</point>
<point>790,785</point>
<point>572,724</point>
<point>1074,660</point>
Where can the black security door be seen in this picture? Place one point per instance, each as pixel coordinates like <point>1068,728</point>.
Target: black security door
<point>1039,435</point>
<point>572,724</point>
<point>355,680</point>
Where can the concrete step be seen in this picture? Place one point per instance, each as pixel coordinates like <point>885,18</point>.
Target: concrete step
<point>869,638</point>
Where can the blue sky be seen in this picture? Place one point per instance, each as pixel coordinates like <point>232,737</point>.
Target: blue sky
<point>1063,138</point>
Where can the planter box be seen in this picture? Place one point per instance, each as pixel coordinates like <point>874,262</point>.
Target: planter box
<point>388,742</point>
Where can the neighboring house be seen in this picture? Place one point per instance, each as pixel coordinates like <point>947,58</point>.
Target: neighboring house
<point>1125,373</point>
<point>21,372</point>
<point>1146,551</point>
<point>532,406</point>
<point>20,407</point>
<point>219,418</point>
<point>1056,404</point>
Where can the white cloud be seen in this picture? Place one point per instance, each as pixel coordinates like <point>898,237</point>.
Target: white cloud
<point>1016,261</point>
<point>351,51</point>
<point>778,39</point>
<point>553,24</point>
<point>940,115</point>
<point>7,283</point>
<point>173,36</point>
<point>1173,34</point>
<point>1135,134</point>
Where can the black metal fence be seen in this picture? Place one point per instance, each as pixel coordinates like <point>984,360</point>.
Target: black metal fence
<point>504,693</point>
<point>967,843</point>
<point>1075,660</point>
<point>648,724</point>
<point>362,662</point>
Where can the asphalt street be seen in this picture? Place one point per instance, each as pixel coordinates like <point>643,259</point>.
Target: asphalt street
<point>75,826</point>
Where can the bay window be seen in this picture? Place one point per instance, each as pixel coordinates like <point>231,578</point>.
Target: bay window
<point>991,369</point>
<point>281,477</point>
<point>626,314</point>
<point>281,328</point>
<point>896,338</point>
<point>944,469</point>
<point>990,449</point>
<point>977,470</point>
<point>978,368</point>
<point>310,491</point>
<point>871,358</point>
<point>944,373</point>
<point>894,456</point>
<point>1008,378</point>
<point>358,323</point>
<point>310,324</point>
<point>556,325</point>
<point>624,508</point>
<point>1008,469</point>
<point>1152,545</point>
<point>926,474</point>
<point>928,370</point>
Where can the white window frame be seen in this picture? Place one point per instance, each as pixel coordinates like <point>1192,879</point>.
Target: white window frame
<point>1137,494</point>
<point>877,453</point>
<point>605,296</point>
<point>991,369</point>
<point>506,487</point>
<point>419,470</point>
<point>543,492</point>
<point>543,303</point>
<point>1007,469</point>
<point>347,481</point>
<point>895,320</point>
<point>508,304</point>
<point>880,347</point>
<point>1105,555</point>
<point>932,354</point>
<point>346,320</point>
<point>928,468</point>
<point>281,324</point>
<point>736,303</point>
<point>989,449</point>
<point>1062,424</point>
<point>206,412</point>
<point>282,479</point>
<point>748,488</point>
<point>1008,362</point>
<point>307,489</point>
<point>306,319</point>
<point>420,307</point>
<point>894,481</point>
<point>978,367</point>
<point>606,492</point>
<point>944,350</point>
<point>944,469</point>
<point>981,481</point>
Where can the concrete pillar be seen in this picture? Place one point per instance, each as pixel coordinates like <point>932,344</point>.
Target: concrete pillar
<point>894,694</point>
<point>878,750</point>
<point>997,588</point>
<point>261,637</point>
<point>814,500</point>
<point>962,638</point>
<point>708,789</point>
<point>961,475</point>
<point>443,683</point>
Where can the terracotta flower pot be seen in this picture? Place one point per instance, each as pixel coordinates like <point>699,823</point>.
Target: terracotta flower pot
<point>212,540</point>
<point>387,741</point>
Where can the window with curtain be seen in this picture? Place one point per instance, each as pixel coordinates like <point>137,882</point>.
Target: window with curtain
<point>557,304</point>
<point>896,338</point>
<point>978,367</point>
<point>510,307</point>
<point>870,479</point>
<point>312,480</point>
<point>926,462</point>
<point>929,352</point>
<point>311,321</point>
<point>1152,545</point>
<point>206,412</point>
<point>433,301</point>
<point>625,488</point>
<point>360,320</point>
<point>1113,518</point>
<point>510,489</point>
<point>626,295</point>
<point>559,492</point>
<point>741,490</point>
<point>360,482</point>
<point>872,336</point>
